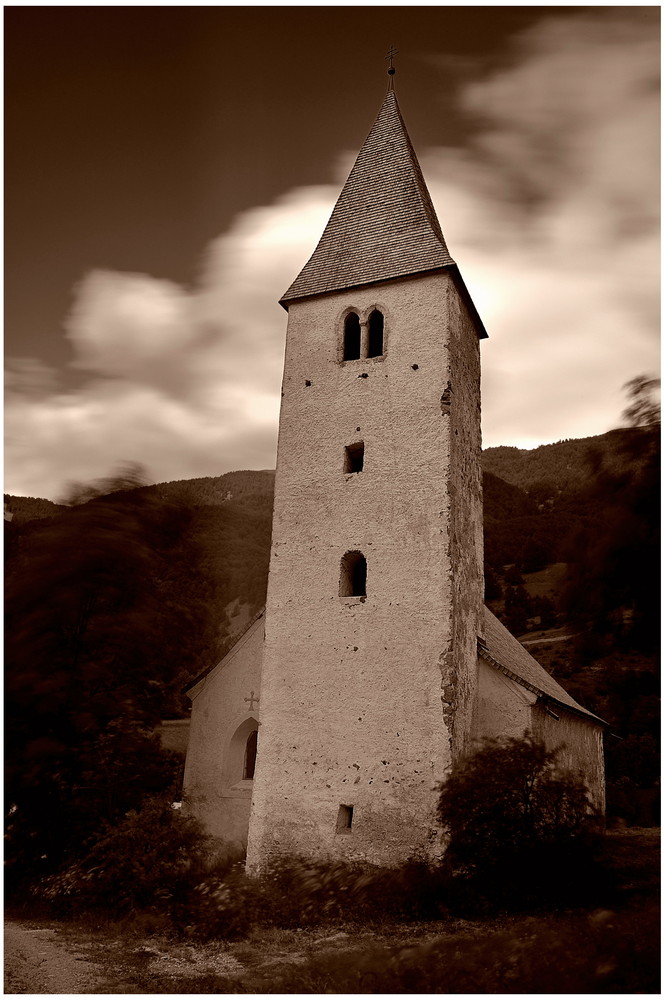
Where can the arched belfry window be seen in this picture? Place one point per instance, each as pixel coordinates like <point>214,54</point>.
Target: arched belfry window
<point>375,337</point>
<point>353,575</point>
<point>249,764</point>
<point>352,337</point>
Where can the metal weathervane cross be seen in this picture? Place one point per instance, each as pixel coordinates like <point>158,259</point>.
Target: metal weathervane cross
<point>392,52</point>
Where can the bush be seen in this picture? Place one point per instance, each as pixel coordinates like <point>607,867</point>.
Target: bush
<point>295,892</point>
<point>521,831</point>
<point>223,905</point>
<point>147,862</point>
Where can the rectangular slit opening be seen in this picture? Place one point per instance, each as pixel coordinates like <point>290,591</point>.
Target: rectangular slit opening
<point>344,819</point>
<point>354,457</point>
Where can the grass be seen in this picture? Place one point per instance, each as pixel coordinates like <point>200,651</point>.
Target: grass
<point>546,582</point>
<point>613,949</point>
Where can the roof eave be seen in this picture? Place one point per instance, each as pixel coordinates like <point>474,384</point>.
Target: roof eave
<point>452,269</point>
<point>541,695</point>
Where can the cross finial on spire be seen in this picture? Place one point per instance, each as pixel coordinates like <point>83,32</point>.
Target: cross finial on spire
<point>392,52</point>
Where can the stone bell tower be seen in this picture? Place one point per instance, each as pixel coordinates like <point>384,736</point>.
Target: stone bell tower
<point>375,588</point>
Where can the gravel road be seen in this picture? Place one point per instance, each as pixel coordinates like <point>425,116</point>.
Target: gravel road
<point>38,961</point>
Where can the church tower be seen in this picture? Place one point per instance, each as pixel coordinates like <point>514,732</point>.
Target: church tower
<point>376,586</point>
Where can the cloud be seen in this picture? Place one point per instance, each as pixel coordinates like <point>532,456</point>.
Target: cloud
<point>549,210</point>
<point>553,210</point>
<point>186,383</point>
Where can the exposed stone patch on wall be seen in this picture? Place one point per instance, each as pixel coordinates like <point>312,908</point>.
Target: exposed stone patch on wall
<point>448,688</point>
<point>466,518</point>
<point>446,399</point>
<point>581,744</point>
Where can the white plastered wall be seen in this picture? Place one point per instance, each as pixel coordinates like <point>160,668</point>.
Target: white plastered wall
<point>505,708</point>
<point>223,716</point>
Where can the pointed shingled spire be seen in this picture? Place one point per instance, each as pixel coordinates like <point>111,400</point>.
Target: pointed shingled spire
<point>384,225</point>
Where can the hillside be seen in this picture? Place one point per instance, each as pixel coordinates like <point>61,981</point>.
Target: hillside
<point>552,530</point>
<point>25,509</point>
<point>564,464</point>
<point>232,514</point>
<point>248,488</point>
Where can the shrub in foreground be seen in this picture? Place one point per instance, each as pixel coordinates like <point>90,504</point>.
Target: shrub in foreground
<point>147,862</point>
<point>519,838</point>
<point>520,829</point>
<point>296,892</point>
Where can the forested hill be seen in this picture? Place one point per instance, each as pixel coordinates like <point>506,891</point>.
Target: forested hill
<point>564,465</point>
<point>24,509</point>
<point>132,590</point>
<point>248,488</point>
<point>532,510</point>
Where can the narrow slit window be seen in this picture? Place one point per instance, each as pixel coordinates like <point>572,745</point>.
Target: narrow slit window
<point>351,337</point>
<point>344,819</point>
<point>354,457</point>
<point>249,765</point>
<point>375,340</point>
<point>353,575</point>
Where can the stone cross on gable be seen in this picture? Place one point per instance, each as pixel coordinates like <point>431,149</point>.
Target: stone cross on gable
<point>251,701</point>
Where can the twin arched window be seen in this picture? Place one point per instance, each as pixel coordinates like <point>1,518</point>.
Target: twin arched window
<point>354,346</point>
<point>375,338</point>
<point>352,337</point>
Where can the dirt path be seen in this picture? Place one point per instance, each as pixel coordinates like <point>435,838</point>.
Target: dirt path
<point>37,960</point>
<point>556,638</point>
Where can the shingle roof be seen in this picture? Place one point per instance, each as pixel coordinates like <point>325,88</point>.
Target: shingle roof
<point>384,225</point>
<point>503,650</point>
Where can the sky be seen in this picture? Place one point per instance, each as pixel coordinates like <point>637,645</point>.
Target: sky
<point>169,171</point>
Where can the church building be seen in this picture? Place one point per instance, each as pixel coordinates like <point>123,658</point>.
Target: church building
<point>327,729</point>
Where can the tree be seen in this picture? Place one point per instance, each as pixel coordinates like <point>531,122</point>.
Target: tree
<point>94,641</point>
<point>513,577</point>
<point>518,609</point>
<point>517,824</point>
<point>544,608</point>
<point>493,589</point>
<point>533,556</point>
<point>643,409</point>
<point>613,582</point>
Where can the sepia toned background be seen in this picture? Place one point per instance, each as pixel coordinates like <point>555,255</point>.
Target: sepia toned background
<point>169,171</point>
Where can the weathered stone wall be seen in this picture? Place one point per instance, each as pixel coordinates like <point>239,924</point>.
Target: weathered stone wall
<point>222,719</point>
<point>581,745</point>
<point>466,521</point>
<point>352,689</point>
